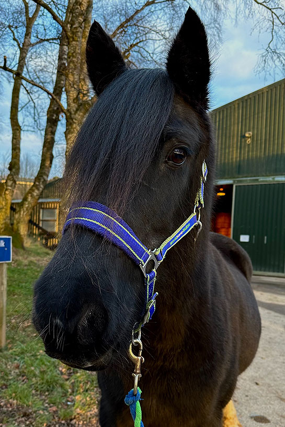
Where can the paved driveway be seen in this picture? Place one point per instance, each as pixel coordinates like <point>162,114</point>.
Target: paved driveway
<point>260,394</point>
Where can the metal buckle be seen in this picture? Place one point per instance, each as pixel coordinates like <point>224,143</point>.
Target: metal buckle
<point>153,258</point>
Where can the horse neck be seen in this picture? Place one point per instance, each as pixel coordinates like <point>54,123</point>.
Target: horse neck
<point>184,294</point>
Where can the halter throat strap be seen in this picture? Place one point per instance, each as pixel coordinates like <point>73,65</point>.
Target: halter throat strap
<point>105,222</point>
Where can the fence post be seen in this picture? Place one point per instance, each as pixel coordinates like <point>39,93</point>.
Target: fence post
<point>3,300</point>
<point>5,256</point>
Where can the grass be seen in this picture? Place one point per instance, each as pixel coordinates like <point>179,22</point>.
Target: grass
<point>36,390</point>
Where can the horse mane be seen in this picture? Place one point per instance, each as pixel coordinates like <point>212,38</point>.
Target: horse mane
<point>119,138</point>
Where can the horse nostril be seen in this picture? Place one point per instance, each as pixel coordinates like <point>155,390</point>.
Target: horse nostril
<point>83,325</point>
<point>91,326</point>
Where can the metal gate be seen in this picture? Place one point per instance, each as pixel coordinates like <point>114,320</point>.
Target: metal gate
<point>259,224</point>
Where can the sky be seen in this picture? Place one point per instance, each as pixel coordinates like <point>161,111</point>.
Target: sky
<point>233,76</point>
<point>234,73</point>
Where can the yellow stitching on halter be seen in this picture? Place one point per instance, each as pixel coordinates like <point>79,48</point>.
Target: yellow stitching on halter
<point>96,210</point>
<point>178,240</point>
<point>114,234</point>
<point>175,233</point>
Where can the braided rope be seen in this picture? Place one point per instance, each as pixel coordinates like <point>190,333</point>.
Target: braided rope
<point>133,401</point>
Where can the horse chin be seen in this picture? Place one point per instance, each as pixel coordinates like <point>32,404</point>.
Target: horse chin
<point>98,364</point>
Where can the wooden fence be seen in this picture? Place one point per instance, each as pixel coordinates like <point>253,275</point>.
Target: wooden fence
<point>44,221</point>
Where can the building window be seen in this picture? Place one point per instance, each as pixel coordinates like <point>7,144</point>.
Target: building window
<point>48,219</point>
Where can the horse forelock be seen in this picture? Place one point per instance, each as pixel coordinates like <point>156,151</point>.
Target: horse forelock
<point>119,138</point>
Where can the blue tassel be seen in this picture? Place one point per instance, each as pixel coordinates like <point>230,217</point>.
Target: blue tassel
<point>133,401</point>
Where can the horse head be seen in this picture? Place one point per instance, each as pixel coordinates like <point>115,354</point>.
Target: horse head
<point>140,152</point>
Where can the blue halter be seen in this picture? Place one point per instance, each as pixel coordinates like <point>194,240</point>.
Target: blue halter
<point>105,222</point>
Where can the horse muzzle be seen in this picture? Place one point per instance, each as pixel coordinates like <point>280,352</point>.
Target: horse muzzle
<point>80,361</point>
<point>76,340</point>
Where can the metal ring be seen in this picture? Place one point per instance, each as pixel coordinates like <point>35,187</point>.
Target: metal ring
<point>138,337</point>
<point>138,342</point>
<point>151,257</point>
<point>199,216</point>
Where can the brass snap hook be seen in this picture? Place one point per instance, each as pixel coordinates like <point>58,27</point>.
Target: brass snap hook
<point>137,360</point>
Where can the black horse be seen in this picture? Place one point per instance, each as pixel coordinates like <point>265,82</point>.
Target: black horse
<point>140,152</point>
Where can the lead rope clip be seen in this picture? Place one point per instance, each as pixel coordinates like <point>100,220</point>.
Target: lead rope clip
<point>134,396</point>
<point>137,360</point>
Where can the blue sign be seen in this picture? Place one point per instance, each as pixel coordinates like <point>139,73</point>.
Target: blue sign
<point>5,249</point>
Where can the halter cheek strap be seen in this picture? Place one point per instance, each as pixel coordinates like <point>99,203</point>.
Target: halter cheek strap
<point>105,222</point>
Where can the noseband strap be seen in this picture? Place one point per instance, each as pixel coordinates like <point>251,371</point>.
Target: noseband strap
<point>105,222</point>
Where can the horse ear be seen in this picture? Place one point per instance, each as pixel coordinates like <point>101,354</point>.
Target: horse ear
<point>103,58</point>
<point>188,63</point>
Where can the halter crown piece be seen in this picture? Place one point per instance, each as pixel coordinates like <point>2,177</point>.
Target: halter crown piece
<point>105,222</point>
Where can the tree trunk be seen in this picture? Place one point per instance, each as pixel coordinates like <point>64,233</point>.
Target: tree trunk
<point>8,188</point>
<point>74,123</point>
<point>77,83</point>
<point>24,209</point>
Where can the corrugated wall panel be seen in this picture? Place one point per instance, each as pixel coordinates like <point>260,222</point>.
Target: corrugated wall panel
<point>262,113</point>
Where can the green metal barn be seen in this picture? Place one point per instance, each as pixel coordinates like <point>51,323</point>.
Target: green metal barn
<point>250,202</point>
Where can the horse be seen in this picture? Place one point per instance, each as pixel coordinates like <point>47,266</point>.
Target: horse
<point>145,158</point>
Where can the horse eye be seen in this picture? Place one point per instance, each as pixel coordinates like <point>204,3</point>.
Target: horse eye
<point>177,156</point>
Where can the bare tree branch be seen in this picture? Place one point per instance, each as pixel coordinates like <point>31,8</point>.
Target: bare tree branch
<point>271,9</point>
<point>26,10</point>
<point>272,31</point>
<point>14,36</point>
<point>131,17</point>
<point>127,51</point>
<point>16,74</point>
<point>31,20</point>
<point>31,99</point>
<point>43,41</point>
<point>53,14</point>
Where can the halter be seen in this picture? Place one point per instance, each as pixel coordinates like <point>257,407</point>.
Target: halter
<point>105,222</point>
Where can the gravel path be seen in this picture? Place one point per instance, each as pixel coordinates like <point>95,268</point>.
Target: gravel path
<point>260,393</point>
